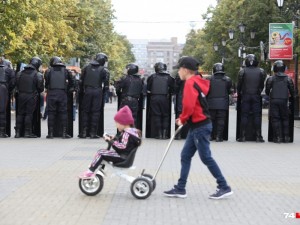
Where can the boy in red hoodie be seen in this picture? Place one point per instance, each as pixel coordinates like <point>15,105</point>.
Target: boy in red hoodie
<point>195,112</point>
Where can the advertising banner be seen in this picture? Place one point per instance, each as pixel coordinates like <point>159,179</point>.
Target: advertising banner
<point>281,41</point>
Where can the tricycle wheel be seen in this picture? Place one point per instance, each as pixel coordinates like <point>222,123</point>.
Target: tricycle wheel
<point>91,186</point>
<point>141,188</point>
<point>153,181</point>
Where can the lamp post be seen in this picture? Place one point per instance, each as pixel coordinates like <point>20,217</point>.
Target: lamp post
<point>223,42</point>
<point>294,8</point>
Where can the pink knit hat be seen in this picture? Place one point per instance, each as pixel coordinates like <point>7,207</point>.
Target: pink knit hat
<point>124,116</point>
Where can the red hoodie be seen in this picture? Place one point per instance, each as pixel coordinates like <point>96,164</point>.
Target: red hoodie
<point>191,108</point>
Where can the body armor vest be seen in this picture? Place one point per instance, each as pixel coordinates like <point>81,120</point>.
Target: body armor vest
<point>26,81</point>
<point>135,86</point>
<point>251,81</point>
<point>160,84</point>
<point>218,88</point>
<point>93,77</point>
<point>58,79</point>
<point>2,74</point>
<point>280,88</point>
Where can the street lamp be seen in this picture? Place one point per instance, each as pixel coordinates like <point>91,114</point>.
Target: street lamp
<point>242,47</point>
<point>294,8</point>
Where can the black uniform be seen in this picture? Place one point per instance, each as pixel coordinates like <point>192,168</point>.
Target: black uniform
<point>250,85</point>
<point>279,87</point>
<point>29,86</point>
<point>218,102</point>
<point>59,83</point>
<point>178,91</point>
<point>130,90</point>
<point>7,84</point>
<point>160,87</point>
<point>94,82</point>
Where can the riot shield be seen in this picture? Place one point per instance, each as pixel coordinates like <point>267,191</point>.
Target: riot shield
<point>250,134</point>
<point>291,123</point>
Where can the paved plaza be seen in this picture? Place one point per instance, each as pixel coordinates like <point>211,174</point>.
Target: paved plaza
<point>39,184</point>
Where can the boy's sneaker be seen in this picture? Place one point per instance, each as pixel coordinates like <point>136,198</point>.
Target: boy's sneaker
<point>221,193</point>
<point>87,175</point>
<point>174,192</point>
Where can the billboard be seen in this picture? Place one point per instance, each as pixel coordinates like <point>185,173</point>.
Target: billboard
<point>281,41</point>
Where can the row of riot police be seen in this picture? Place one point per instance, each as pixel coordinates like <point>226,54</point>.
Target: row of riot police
<point>160,87</point>
<point>94,81</point>
<point>251,82</point>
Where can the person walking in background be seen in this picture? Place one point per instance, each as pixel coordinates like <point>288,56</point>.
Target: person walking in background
<point>195,112</point>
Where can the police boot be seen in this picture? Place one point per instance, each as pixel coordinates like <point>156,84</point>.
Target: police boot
<point>259,138</point>
<point>50,133</point>
<point>159,134</point>
<point>83,133</point>
<point>219,138</point>
<point>286,139</point>
<point>93,133</point>
<point>65,134</point>
<point>178,136</point>
<point>28,133</point>
<point>18,132</point>
<point>165,134</point>
<point>242,137</point>
<point>3,133</point>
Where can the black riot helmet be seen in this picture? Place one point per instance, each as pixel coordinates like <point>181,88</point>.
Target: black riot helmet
<point>160,67</point>
<point>279,66</point>
<point>251,60</point>
<point>55,60</point>
<point>36,62</point>
<point>218,68</point>
<point>132,69</point>
<point>101,58</point>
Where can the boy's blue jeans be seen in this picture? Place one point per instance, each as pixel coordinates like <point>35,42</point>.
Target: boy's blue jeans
<point>198,140</point>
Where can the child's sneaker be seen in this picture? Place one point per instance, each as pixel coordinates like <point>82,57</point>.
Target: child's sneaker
<point>221,193</point>
<point>174,192</point>
<point>87,174</point>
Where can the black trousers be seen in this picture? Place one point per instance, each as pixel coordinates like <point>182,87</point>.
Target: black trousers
<point>218,117</point>
<point>91,107</point>
<point>57,107</point>
<point>3,104</point>
<point>160,110</point>
<point>133,104</point>
<point>251,103</point>
<point>279,112</point>
<point>27,103</point>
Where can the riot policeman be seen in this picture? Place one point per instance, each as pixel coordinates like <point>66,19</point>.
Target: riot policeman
<point>7,84</point>
<point>160,87</point>
<point>94,82</point>
<point>130,90</point>
<point>29,84</point>
<point>279,87</point>
<point>59,82</point>
<point>250,85</point>
<point>218,102</point>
